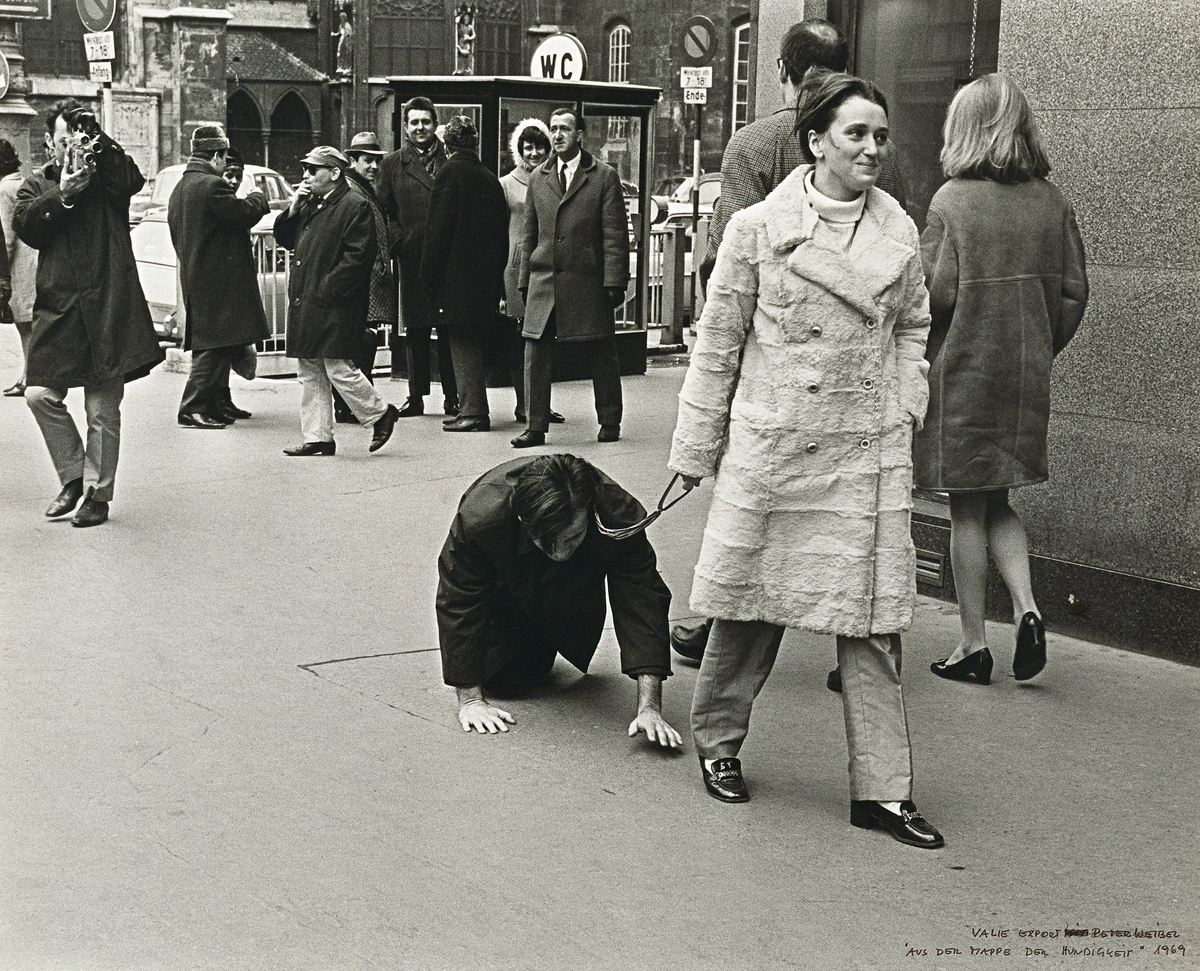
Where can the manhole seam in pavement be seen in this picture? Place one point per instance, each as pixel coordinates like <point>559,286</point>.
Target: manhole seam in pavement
<point>363,657</point>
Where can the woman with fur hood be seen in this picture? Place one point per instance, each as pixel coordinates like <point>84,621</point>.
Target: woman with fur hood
<point>806,381</point>
<point>530,147</point>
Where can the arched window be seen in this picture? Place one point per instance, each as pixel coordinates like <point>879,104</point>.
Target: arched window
<point>740,100</point>
<point>619,36</point>
<point>291,135</point>
<point>244,124</point>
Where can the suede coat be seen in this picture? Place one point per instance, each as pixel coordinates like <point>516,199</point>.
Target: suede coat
<point>573,247</point>
<point>210,229</point>
<point>489,556</point>
<point>1007,290</point>
<point>806,379</point>
<point>466,245</point>
<point>333,240</point>
<point>90,319</point>
<point>404,186</point>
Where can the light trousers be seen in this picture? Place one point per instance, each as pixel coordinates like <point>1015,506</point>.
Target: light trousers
<point>737,660</point>
<point>318,377</point>
<point>96,463</point>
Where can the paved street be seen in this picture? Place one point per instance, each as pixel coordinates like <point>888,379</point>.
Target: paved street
<point>227,745</point>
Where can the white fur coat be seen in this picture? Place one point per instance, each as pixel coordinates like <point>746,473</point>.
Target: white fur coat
<point>806,380</point>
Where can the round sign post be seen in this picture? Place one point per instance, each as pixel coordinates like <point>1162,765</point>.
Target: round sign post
<point>96,15</point>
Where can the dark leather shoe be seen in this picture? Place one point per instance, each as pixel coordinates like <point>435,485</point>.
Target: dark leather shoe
<point>1030,656</point>
<point>976,666</point>
<point>412,407</point>
<point>92,513</point>
<point>527,439</point>
<point>344,417</point>
<point>556,418</point>
<point>609,433</point>
<point>468,423</point>
<point>312,448</point>
<point>724,781</point>
<point>233,411</point>
<point>689,639</point>
<point>833,680</point>
<point>383,428</point>
<point>909,826</point>
<point>224,417</point>
<point>195,419</point>
<point>66,500</point>
<point>450,407</point>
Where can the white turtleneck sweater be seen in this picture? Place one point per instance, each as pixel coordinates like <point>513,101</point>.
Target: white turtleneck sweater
<point>837,221</point>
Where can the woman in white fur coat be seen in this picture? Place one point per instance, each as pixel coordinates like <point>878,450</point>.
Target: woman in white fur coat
<point>805,384</point>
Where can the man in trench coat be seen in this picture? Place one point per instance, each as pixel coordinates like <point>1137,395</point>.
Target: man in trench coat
<point>574,270</point>
<point>522,577</point>
<point>210,229</point>
<point>91,326</point>
<point>331,233</point>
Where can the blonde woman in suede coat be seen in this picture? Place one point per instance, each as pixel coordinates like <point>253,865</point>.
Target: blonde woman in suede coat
<point>806,381</point>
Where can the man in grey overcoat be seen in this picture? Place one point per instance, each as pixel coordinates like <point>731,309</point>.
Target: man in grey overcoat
<point>574,271</point>
<point>91,326</point>
<point>210,229</point>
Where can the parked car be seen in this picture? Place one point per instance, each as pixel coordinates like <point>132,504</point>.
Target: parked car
<point>157,194</point>
<point>158,272</point>
<point>680,201</point>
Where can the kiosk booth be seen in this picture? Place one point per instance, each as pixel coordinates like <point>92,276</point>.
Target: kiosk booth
<point>620,119</point>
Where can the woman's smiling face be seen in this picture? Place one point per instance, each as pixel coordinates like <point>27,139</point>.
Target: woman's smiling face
<point>850,153</point>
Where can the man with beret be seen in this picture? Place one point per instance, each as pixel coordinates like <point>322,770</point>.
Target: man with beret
<point>331,233</point>
<point>91,326</point>
<point>210,229</point>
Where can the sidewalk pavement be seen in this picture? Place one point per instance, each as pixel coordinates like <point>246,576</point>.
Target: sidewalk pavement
<point>227,745</point>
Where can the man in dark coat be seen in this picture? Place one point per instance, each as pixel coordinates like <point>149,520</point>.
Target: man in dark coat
<point>574,270</point>
<point>521,579</point>
<point>332,235</point>
<point>364,154</point>
<point>405,181</point>
<point>91,325</point>
<point>210,229</point>
<point>466,250</point>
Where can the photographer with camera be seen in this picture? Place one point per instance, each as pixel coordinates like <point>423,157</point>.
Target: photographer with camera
<point>91,325</point>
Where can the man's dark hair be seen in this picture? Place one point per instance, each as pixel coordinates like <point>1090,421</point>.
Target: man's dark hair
<point>10,161</point>
<point>419,104</point>
<point>813,43</point>
<point>580,123</point>
<point>68,108</point>
<point>551,491</point>
<point>821,94</point>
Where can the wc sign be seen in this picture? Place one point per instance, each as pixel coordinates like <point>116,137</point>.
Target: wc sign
<point>560,57</point>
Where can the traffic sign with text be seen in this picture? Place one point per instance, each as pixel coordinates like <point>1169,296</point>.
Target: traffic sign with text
<point>100,46</point>
<point>695,77</point>
<point>100,71</point>
<point>695,96</point>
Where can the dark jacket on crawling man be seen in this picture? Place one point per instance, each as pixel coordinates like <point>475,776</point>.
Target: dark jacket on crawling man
<point>503,603</point>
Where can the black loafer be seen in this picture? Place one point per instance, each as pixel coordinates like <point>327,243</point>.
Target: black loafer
<point>556,418</point>
<point>527,439</point>
<point>689,640</point>
<point>92,513</point>
<point>412,407</point>
<point>312,448</point>
<point>1030,656</point>
<point>196,419</point>
<point>233,411</point>
<point>383,428</point>
<point>908,826</point>
<point>724,780</point>
<point>976,666</point>
<point>833,680</point>
<point>469,423</point>
<point>609,433</point>
<point>66,500</point>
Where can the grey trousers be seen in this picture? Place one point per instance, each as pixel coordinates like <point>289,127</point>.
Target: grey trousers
<point>539,363</point>
<point>470,371</point>
<point>737,660</point>
<point>97,463</point>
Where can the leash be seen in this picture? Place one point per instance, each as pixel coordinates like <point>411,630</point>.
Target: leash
<point>625,532</point>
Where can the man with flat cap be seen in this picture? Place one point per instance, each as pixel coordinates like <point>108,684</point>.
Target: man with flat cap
<point>210,229</point>
<point>331,234</point>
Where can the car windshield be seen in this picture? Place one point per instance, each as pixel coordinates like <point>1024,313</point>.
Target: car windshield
<point>165,184</point>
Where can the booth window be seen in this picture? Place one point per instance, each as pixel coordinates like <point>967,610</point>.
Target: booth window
<point>741,75</point>
<point>618,72</point>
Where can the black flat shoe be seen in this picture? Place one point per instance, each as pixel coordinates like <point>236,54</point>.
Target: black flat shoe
<point>196,419</point>
<point>556,418</point>
<point>833,680</point>
<point>93,512</point>
<point>312,448</point>
<point>527,439</point>
<point>412,407</point>
<point>724,781</point>
<point>1030,656</point>
<point>468,423</point>
<point>233,411</point>
<point>450,407</point>
<point>66,500</point>
<point>908,827</point>
<point>976,666</point>
<point>609,433</point>
<point>383,428</point>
